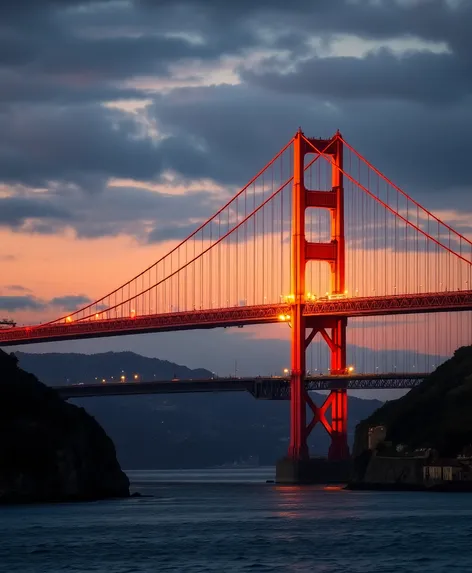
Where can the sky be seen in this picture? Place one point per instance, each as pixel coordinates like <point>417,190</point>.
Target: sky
<point>123,120</point>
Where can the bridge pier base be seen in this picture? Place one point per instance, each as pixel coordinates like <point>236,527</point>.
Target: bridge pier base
<point>312,471</point>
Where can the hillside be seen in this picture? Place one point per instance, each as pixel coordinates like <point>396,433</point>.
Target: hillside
<point>51,450</point>
<point>435,414</point>
<point>176,431</point>
<point>69,368</point>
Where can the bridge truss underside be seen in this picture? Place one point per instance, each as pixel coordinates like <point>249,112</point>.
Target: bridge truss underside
<point>260,388</point>
<point>238,316</point>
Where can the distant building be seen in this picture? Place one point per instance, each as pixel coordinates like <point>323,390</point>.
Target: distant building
<point>376,436</point>
<point>444,470</point>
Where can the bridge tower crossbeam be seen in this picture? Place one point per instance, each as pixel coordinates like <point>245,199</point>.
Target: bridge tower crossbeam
<point>332,253</point>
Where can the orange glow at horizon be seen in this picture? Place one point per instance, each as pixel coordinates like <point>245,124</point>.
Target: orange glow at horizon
<point>55,266</point>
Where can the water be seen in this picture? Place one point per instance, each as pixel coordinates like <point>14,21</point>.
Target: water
<point>229,521</point>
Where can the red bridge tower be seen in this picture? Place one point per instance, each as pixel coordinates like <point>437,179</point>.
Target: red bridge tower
<point>334,254</point>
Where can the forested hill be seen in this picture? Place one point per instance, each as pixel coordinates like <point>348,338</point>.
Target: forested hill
<point>435,414</point>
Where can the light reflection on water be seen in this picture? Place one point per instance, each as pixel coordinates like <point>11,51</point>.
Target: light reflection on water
<point>217,475</point>
<point>229,521</point>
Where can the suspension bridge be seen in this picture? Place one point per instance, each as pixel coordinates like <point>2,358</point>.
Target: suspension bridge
<point>319,238</point>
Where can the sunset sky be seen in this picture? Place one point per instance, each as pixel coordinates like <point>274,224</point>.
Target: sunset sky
<point>124,124</point>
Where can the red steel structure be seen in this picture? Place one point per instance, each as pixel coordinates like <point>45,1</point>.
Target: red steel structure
<point>334,254</point>
<point>424,304</point>
<point>318,218</point>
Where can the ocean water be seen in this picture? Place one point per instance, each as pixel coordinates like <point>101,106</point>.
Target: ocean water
<point>229,521</point>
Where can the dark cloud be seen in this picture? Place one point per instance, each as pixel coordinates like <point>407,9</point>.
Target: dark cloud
<point>150,216</point>
<point>76,144</point>
<point>431,20</point>
<point>242,127</point>
<point>25,8</point>
<point>225,132</point>
<point>59,60</point>
<point>421,77</point>
<point>18,288</point>
<point>15,210</point>
<point>140,213</point>
<point>70,302</point>
<point>116,40</point>
<point>74,54</point>
<point>26,302</point>
<point>163,232</point>
<point>119,58</point>
<point>19,88</point>
<point>29,302</point>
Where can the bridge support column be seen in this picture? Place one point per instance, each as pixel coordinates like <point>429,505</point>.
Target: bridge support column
<point>339,449</point>
<point>296,467</point>
<point>298,448</point>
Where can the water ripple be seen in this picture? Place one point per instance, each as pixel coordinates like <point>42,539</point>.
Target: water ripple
<point>234,527</point>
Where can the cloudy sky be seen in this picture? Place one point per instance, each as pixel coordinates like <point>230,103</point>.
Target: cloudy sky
<point>123,119</point>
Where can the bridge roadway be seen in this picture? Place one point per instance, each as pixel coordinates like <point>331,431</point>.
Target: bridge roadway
<point>262,388</point>
<point>236,316</point>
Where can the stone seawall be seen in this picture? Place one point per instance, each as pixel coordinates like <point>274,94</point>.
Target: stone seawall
<point>379,472</point>
<point>313,471</point>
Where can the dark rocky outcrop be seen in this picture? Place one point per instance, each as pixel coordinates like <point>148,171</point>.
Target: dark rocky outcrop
<point>51,450</point>
<point>435,415</point>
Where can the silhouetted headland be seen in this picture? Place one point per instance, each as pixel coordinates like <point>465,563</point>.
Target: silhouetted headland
<point>422,440</point>
<point>51,451</point>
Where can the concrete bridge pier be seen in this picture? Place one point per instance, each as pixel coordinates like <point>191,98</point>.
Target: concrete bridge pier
<point>313,471</point>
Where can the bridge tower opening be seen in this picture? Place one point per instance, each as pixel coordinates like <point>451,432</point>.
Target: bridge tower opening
<point>332,329</point>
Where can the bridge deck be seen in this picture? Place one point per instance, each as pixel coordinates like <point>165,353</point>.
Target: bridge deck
<point>260,388</point>
<point>237,316</point>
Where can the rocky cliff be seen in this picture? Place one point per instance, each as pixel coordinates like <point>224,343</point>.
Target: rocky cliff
<point>51,450</point>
